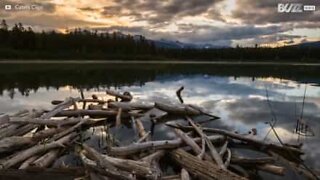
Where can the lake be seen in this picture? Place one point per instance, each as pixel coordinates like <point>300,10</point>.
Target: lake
<point>245,96</point>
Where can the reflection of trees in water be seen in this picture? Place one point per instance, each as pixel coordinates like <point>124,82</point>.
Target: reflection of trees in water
<point>27,78</point>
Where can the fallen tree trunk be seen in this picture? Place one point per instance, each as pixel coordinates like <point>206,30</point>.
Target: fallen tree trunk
<point>155,145</point>
<point>202,169</point>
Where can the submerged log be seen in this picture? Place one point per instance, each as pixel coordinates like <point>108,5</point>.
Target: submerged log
<point>156,145</point>
<point>202,169</point>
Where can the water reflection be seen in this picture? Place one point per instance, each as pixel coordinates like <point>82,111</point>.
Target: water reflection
<point>240,101</point>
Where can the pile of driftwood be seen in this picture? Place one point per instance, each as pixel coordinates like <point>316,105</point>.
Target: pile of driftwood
<point>36,139</point>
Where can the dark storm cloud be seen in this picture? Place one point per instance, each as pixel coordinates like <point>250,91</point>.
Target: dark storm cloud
<point>159,11</point>
<point>261,12</point>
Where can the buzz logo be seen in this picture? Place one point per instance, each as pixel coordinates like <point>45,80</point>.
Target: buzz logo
<point>290,8</point>
<point>294,8</point>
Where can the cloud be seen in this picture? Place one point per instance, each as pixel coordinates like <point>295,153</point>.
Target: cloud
<point>155,12</point>
<point>222,36</point>
<point>262,12</point>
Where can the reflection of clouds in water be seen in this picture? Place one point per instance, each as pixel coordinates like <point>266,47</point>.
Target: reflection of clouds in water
<point>240,102</point>
<point>40,99</point>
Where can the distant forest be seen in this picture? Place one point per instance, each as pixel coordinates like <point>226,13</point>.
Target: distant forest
<point>19,42</point>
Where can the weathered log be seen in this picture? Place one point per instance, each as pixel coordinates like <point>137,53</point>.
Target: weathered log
<point>202,169</point>
<point>56,102</point>
<point>26,163</point>
<point>46,133</point>
<point>177,109</point>
<point>224,148</point>
<point>124,97</point>
<point>155,145</point>
<point>145,137</point>
<point>296,167</point>
<point>254,142</point>
<point>189,141</point>
<point>153,160</point>
<point>277,170</point>
<point>139,168</point>
<point>47,159</point>
<point>253,161</point>
<point>141,131</point>
<point>19,130</point>
<point>25,154</point>
<point>96,113</point>
<point>184,174</point>
<point>55,123</point>
<point>171,177</point>
<point>126,106</point>
<point>67,103</point>
<point>15,142</point>
<point>109,172</point>
<point>213,151</point>
<point>118,117</point>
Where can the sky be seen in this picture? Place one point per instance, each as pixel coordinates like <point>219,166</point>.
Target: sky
<point>215,22</point>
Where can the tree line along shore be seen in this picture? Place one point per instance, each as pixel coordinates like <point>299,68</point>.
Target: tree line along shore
<point>20,42</point>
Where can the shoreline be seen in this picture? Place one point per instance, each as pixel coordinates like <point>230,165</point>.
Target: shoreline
<point>155,62</point>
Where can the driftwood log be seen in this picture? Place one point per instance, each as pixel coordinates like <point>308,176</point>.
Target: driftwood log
<point>201,169</point>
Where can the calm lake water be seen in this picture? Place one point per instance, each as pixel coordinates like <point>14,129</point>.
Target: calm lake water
<point>238,94</point>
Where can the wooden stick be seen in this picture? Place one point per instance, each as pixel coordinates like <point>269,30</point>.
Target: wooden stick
<point>118,118</point>
<point>213,151</point>
<point>178,93</point>
<point>155,145</point>
<point>254,142</point>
